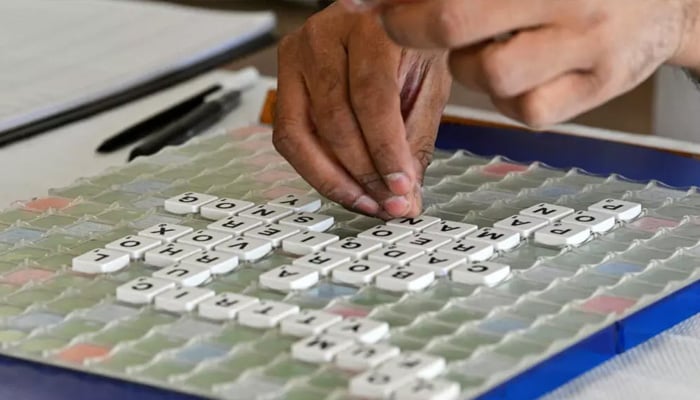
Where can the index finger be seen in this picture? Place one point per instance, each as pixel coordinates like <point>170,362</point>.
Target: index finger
<point>294,139</point>
<point>375,94</point>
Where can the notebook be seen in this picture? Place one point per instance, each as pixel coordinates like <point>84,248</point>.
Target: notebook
<point>59,57</point>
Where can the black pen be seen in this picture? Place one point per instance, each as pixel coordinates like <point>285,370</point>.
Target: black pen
<point>190,125</point>
<point>155,122</point>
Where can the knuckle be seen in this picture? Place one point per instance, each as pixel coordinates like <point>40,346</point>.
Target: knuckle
<point>335,141</point>
<point>328,79</point>
<point>334,113</point>
<point>373,184</point>
<point>365,105</point>
<point>364,81</point>
<point>368,179</point>
<point>311,30</point>
<point>286,43</point>
<point>287,48</point>
<point>424,153</point>
<point>392,26</point>
<point>379,149</point>
<point>281,140</point>
<point>449,25</point>
<point>535,111</point>
<point>335,192</point>
<point>496,71</point>
<point>329,189</point>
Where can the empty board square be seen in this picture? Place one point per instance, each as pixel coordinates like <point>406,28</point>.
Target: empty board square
<point>51,221</point>
<point>120,361</point>
<point>55,241</point>
<point>40,344</point>
<point>23,254</point>
<point>33,320</point>
<point>74,327</point>
<point>155,343</point>
<point>163,369</point>
<point>253,388</point>
<point>86,228</point>
<point>618,268</point>
<point>145,186</point>
<point>329,291</point>
<point>199,352</point>
<point>189,328</point>
<point>17,235</point>
<point>109,312</point>
<point>70,303</point>
<point>502,325</point>
<point>31,296</point>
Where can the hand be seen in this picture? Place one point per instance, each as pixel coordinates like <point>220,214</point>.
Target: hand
<point>545,61</point>
<point>356,114</point>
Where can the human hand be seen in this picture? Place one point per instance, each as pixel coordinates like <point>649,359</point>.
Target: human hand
<point>545,61</point>
<point>357,114</point>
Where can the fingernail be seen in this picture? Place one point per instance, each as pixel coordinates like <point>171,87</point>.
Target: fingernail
<point>396,206</point>
<point>398,183</point>
<point>366,205</point>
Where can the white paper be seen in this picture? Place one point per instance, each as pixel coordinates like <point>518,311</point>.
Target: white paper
<point>57,55</point>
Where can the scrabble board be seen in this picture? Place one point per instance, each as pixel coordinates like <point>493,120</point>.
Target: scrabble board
<point>213,270</point>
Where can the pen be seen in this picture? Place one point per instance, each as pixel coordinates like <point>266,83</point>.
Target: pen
<point>190,125</point>
<point>154,122</point>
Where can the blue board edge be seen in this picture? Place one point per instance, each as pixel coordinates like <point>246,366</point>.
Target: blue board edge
<point>565,151</point>
<point>29,380</point>
<point>603,345</point>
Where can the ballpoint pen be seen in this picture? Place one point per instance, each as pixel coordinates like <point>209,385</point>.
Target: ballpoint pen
<point>155,122</point>
<point>190,125</point>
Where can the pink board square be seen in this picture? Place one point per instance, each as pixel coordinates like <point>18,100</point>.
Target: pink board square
<point>242,133</point>
<point>502,168</point>
<point>46,203</point>
<point>346,311</point>
<point>24,276</point>
<point>652,224</point>
<point>607,304</point>
<point>80,352</point>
